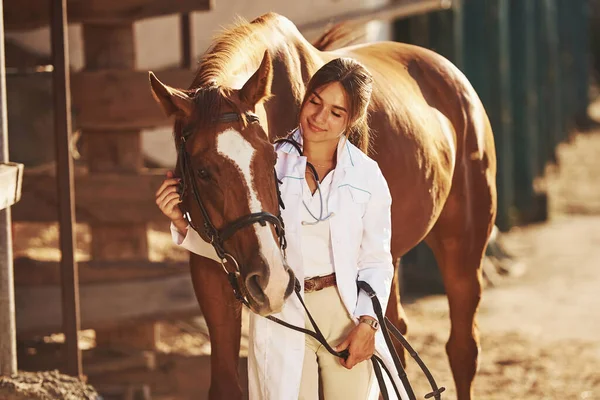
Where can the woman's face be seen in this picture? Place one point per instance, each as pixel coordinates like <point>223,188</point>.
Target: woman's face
<point>324,116</point>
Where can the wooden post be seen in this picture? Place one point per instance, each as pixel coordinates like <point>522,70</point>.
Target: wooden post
<point>185,21</point>
<point>413,30</point>
<point>525,109</point>
<point>567,25</point>
<point>446,33</point>
<point>547,52</point>
<point>574,49</point>
<point>487,65</point>
<point>500,108</point>
<point>8,333</point>
<point>61,90</point>
<point>112,46</point>
<point>419,30</point>
<point>550,79</point>
<point>581,54</point>
<point>401,30</point>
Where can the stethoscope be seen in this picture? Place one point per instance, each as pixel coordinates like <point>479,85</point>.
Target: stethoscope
<point>315,175</point>
<point>320,218</point>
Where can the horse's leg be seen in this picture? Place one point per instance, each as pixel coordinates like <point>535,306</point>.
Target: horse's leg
<point>458,241</point>
<point>223,318</point>
<point>395,312</point>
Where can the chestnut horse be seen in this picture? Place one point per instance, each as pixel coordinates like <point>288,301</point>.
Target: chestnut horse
<point>432,140</point>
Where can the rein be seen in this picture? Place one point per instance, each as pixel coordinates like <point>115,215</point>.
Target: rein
<point>218,237</point>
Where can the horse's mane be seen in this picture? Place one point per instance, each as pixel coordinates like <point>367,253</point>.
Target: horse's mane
<point>226,44</point>
<point>243,34</point>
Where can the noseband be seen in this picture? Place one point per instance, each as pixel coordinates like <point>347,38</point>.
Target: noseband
<point>217,237</point>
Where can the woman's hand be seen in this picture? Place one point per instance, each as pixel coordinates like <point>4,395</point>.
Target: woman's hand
<point>168,200</point>
<point>360,343</point>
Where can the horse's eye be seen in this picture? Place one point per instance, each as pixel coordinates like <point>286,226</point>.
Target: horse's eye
<point>203,173</point>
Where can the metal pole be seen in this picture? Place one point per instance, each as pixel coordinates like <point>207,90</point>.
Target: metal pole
<point>66,206</point>
<point>8,332</point>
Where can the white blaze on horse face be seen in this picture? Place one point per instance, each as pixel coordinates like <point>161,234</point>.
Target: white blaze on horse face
<point>232,145</point>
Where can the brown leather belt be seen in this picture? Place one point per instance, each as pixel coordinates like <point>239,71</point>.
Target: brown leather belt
<point>319,282</point>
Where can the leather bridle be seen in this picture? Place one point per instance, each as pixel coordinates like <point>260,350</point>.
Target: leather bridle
<point>218,237</point>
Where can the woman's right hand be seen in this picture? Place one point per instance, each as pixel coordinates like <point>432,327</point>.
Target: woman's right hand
<point>168,200</point>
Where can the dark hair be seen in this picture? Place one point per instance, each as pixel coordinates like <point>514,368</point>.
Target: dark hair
<point>358,85</point>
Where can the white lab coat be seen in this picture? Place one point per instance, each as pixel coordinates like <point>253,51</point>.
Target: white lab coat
<point>360,235</point>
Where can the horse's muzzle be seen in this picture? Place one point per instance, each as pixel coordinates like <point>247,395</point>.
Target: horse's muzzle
<point>268,286</point>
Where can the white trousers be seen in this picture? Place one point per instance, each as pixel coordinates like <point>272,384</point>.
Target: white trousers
<point>337,382</point>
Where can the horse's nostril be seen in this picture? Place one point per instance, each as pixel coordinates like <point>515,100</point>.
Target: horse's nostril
<point>255,289</point>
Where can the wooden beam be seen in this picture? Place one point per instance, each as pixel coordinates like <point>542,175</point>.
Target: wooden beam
<point>112,46</point>
<point>30,272</point>
<point>32,14</point>
<point>111,99</point>
<point>110,198</point>
<point>11,178</point>
<point>105,305</point>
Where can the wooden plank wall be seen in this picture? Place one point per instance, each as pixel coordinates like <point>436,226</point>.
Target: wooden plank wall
<point>111,104</point>
<point>528,61</point>
<point>487,60</point>
<point>33,14</point>
<point>524,61</point>
<point>107,151</point>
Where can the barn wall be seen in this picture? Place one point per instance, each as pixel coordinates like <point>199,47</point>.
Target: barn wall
<point>161,33</point>
<point>158,41</point>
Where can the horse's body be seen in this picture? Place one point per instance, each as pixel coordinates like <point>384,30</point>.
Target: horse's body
<point>434,144</point>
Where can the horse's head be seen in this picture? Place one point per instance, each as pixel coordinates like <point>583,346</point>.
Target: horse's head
<point>227,164</point>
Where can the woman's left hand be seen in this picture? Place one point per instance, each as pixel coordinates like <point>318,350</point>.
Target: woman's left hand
<point>360,343</point>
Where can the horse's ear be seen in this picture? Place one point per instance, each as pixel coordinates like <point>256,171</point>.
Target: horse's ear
<point>172,101</point>
<point>258,87</point>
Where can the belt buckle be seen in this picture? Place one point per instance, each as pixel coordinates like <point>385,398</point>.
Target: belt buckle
<point>309,286</point>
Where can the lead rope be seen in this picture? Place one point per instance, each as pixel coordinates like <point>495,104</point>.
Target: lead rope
<point>436,392</point>
<point>376,361</point>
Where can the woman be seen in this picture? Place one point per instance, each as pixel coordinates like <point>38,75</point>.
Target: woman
<point>338,229</point>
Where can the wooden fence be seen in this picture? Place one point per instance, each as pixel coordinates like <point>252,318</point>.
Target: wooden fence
<point>111,104</point>
<point>528,61</point>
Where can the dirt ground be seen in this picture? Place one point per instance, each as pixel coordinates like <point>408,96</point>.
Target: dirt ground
<point>45,386</point>
<point>540,332</point>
